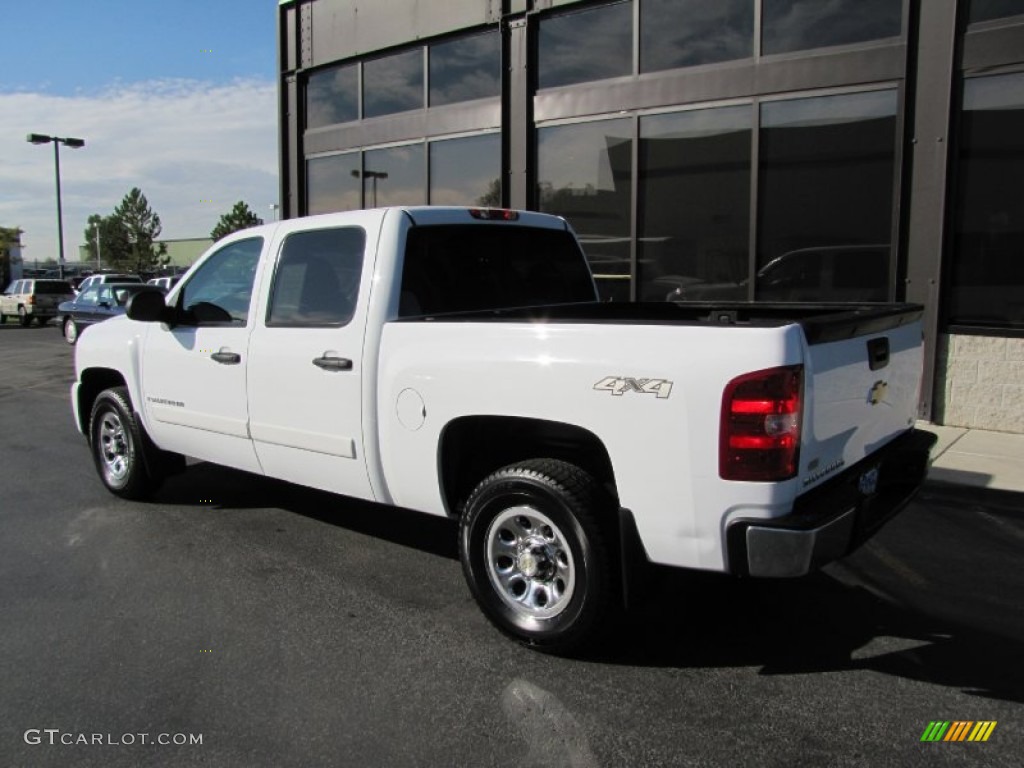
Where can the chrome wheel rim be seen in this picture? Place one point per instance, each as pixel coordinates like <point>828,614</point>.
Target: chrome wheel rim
<point>114,448</point>
<point>529,563</point>
<point>70,331</point>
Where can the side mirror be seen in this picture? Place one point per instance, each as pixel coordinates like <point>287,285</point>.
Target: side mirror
<point>148,306</point>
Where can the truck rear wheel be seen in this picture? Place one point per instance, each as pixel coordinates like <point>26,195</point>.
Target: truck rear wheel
<point>24,318</point>
<point>535,555</point>
<point>116,440</point>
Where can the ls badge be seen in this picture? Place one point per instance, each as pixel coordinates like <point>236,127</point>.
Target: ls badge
<point>619,385</point>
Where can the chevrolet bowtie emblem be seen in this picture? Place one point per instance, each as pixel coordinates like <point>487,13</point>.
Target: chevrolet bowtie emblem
<point>877,393</point>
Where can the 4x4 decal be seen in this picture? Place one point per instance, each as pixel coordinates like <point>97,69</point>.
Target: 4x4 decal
<point>619,385</point>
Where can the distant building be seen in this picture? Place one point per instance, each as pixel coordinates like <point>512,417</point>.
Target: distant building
<point>10,255</point>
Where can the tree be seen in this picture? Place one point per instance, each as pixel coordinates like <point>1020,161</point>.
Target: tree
<point>141,227</point>
<point>492,197</point>
<point>240,217</point>
<point>114,248</point>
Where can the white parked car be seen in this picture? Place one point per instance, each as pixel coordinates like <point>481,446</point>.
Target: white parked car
<point>108,277</point>
<point>457,362</point>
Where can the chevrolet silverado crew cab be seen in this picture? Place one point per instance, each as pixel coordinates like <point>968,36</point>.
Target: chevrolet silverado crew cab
<point>457,362</point>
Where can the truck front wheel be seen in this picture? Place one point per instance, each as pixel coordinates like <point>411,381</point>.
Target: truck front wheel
<point>116,440</point>
<point>535,555</point>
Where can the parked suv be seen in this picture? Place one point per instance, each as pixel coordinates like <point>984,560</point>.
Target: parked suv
<point>34,299</point>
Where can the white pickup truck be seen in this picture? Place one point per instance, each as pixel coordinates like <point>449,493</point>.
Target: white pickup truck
<point>457,362</point>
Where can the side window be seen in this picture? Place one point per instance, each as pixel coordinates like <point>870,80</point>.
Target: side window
<point>89,297</point>
<point>316,282</point>
<point>219,292</point>
<point>106,295</point>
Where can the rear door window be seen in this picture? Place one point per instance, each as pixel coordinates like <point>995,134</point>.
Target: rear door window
<point>317,278</point>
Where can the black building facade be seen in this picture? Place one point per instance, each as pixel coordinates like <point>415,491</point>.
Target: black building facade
<point>783,150</point>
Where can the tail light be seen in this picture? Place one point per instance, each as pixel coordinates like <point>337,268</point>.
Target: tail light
<point>760,432</point>
<point>31,299</point>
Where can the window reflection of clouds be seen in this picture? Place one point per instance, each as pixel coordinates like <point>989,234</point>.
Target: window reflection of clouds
<point>332,96</point>
<point>696,123</point>
<point>580,156</point>
<point>586,45</point>
<point>465,69</point>
<point>393,84</point>
<point>464,171</point>
<point>797,25</point>
<point>994,92</point>
<point>829,110</point>
<point>683,33</point>
<point>330,185</point>
<point>404,185</point>
<point>584,173</point>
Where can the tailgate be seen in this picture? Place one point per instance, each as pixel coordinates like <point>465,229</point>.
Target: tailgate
<point>48,302</point>
<point>862,386</point>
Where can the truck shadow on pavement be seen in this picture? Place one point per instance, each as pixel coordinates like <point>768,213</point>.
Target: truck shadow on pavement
<point>234,489</point>
<point>936,597</point>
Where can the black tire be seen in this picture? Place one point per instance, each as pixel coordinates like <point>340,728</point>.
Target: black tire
<point>535,554</point>
<point>70,331</point>
<point>24,318</point>
<point>117,442</point>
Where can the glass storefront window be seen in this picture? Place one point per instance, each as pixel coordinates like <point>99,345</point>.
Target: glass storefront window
<point>799,25</point>
<point>332,96</point>
<point>827,168</point>
<point>685,33</point>
<point>579,46</point>
<point>466,171</point>
<point>394,176</point>
<point>465,69</point>
<point>331,185</point>
<point>584,173</point>
<point>393,83</point>
<point>986,286</point>
<point>694,206</point>
<point>986,10</point>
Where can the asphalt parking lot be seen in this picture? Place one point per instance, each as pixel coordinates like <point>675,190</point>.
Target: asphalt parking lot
<point>289,627</point>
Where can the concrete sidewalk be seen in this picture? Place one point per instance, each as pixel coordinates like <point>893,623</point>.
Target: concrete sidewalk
<point>974,457</point>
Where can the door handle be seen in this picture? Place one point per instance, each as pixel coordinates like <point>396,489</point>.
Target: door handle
<point>333,363</point>
<point>226,358</point>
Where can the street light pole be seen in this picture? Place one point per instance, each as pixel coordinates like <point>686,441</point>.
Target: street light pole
<point>96,226</point>
<point>38,138</point>
<point>374,175</point>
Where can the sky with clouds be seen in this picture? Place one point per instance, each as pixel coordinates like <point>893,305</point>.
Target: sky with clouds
<point>176,98</point>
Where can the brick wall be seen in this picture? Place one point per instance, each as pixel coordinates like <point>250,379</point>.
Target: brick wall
<point>980,382</point>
